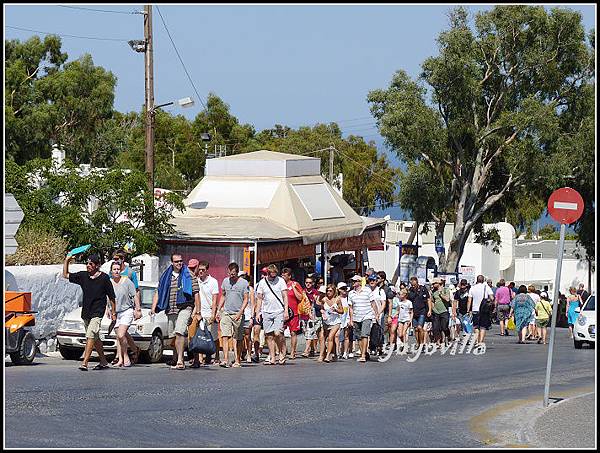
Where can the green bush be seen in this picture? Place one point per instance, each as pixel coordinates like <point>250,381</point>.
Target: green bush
<point>38,246</point>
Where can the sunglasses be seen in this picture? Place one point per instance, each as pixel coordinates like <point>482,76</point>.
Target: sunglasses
<point>178,261</point>
<point>201,270</point>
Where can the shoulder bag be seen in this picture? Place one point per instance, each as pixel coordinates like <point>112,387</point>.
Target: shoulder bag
<point>290,311</point>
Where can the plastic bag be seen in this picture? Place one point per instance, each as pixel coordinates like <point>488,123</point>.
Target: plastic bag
<point>467,323</point>
<point>510,325</point>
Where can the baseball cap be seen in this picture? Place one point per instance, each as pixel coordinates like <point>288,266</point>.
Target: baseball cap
<point>356,278</point>
<point>240,273</point>
<point>322,289</point>
<point>437,280</point>
<point>372,277</point>
<point>342,285</point>
<point>193,262</point>
<point>264,270</point>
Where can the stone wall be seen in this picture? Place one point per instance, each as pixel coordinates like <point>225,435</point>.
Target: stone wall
<point>52,296</point>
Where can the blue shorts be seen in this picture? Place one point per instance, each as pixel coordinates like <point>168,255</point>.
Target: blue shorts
<point>419,320</point>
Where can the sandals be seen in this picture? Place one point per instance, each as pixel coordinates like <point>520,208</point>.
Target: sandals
<point>281,361</point>
<point>362,360</point>
<point>236,365</point>
<point>224,364</point>
<point>115,361</point>
<point>179,366</point>
<point>268,362</point>
<point>326,360</point>
<point>83,367</point>
<point>305,354</point>
<point>101,367</point>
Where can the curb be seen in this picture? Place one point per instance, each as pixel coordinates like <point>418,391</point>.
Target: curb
<point>480,424</point>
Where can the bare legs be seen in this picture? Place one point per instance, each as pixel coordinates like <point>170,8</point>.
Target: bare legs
<point>122,356</point>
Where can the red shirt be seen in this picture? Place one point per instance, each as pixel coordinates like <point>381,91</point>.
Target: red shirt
<point>292,299</point>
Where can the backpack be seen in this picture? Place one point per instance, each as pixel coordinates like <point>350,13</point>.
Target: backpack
<point>304,306</point>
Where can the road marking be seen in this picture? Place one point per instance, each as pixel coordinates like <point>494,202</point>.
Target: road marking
<point>565,205</point>
<point>479,424</point>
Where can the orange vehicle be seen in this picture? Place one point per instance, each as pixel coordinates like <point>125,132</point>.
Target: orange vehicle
<point>18,317</point>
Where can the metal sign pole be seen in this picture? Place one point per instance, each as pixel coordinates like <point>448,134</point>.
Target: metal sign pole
<point>561,244</point>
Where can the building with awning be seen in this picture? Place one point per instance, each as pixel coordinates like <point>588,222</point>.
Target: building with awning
<point>268,205</point>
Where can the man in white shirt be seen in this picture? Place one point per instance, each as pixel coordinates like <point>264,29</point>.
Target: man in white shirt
<point>363,311</point>
<point>479,294</point>
<point>272,306</point>
<point>209,292</point>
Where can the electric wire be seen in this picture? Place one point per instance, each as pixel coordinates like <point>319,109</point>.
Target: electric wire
<point>63,35</point>
<point>180,59</point>
<point>101,10</point>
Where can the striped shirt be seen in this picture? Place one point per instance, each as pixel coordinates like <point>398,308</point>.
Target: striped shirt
<point>173,307</point>
<point>360,301</point>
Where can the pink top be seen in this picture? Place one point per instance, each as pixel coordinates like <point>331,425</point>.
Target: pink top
<point>503,295</point>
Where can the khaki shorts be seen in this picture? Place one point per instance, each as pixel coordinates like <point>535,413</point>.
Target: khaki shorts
<point>178,323</point>
<point>92,328</point>
<point>230,327</point>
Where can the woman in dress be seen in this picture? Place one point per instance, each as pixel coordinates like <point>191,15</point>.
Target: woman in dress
<point>521,307</point>
<point>332,309</point>
<point>573,302</point>
<point>128,308</point>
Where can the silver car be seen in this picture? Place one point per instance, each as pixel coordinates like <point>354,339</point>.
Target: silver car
<point>150,333</point>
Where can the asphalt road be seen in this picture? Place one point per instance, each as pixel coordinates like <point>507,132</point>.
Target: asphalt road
<point>428,403</point>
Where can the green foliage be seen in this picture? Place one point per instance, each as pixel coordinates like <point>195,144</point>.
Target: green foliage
<point>509,102</point>
<point>124,207</point>
<point>38,245</point>
<point>49,101</point>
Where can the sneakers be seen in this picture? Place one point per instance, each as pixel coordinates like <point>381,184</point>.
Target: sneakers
<point>351,355</point>
<point>345,356</point>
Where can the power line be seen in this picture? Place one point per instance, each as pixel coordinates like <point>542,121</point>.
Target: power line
<point>180,59</point>
<point>365,167</point>
<point>62,35</point>
<point>101,10</point>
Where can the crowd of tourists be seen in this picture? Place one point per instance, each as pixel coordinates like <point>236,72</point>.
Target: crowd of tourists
<point>362,318</point>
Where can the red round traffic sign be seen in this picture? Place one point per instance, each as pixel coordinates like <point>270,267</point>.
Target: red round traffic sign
<point>565,205</point>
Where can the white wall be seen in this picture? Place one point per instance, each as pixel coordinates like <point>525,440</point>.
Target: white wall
<point>51,294</point>
<point>573,272</point>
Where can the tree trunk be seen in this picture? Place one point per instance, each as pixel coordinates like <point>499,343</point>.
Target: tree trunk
<point>455,251</point>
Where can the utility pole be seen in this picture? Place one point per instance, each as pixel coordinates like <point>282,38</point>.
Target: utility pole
<point>331,150</point>
<point>149,77</point>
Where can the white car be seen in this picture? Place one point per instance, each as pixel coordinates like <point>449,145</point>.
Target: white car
<point>584,330</point>
<point>150,334</point>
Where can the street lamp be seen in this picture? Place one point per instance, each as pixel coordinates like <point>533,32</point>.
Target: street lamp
<point>185,103</point>
<point>138,45</point>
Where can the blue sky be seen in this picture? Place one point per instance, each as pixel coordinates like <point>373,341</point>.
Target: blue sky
<point>287,64</point>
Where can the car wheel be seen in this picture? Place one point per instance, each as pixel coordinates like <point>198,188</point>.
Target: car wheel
<point>592,344</point>
<point>70,353</point>
<point>577,344</point>
<point>26,352</point>
<point>155,349</point>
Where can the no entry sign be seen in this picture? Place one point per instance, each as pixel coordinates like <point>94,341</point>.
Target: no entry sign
<point>565,205</point>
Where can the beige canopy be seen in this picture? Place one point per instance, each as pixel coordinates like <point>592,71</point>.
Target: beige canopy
<point>266,196</point>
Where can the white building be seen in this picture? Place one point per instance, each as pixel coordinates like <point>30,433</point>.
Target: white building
<point>521,261</point>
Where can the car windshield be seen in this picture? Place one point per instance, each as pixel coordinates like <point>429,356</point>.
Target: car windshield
<point>147,295</point>
<point>590,304</point>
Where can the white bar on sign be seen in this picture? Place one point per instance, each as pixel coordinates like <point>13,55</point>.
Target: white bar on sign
<point>564,205</point>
